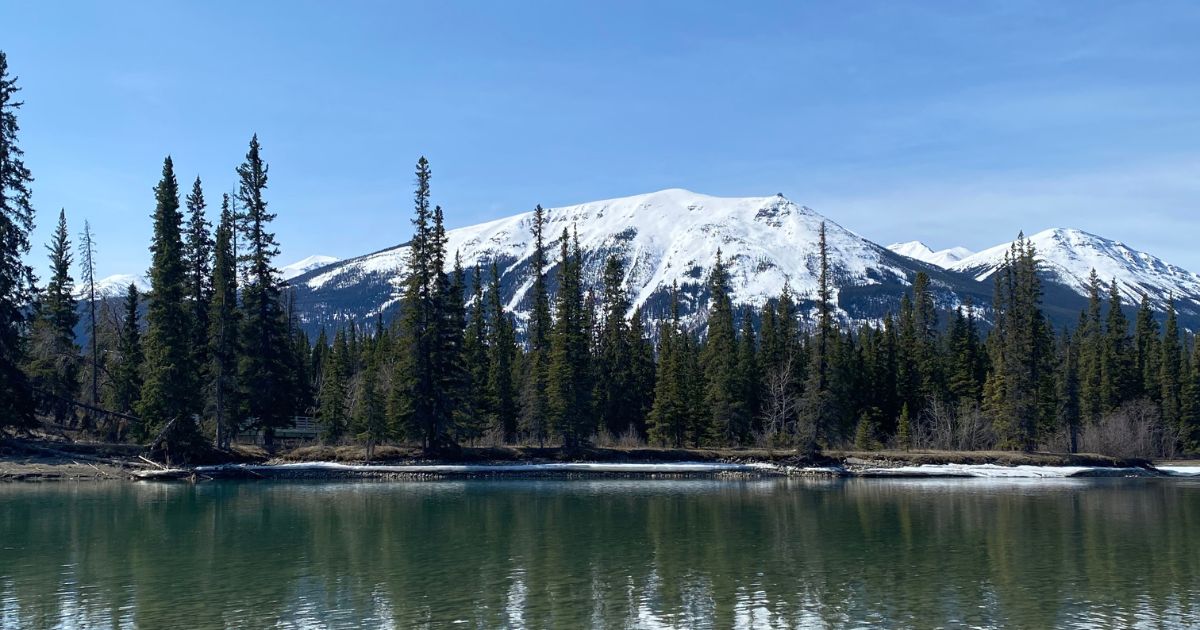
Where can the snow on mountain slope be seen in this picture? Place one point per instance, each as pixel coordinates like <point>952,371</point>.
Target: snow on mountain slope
<point>305,265</point>
<point>1069,256</point>
<point>922,252</point>
<point>116,285</point>
<point>666,237</point>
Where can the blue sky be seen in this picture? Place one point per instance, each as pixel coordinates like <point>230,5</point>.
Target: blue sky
<point>954,123</point>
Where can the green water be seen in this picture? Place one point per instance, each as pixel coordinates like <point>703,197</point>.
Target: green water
<point>608,553</point>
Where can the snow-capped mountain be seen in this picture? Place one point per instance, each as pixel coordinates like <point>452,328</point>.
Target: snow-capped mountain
<point>670,237</point>
<point>116,285</point>
<point>305,265</point>
<point>922,252</point>
<point>1068,257</point>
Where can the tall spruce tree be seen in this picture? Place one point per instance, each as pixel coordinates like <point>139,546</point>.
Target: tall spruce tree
<point>726,418</point>
<point>617,403</point>
<point>198,252</point>
<point>16,277</point>
<point>1089,336</point>
<point>87,274</point>
<point>169,392</point>
<point>1118,375</point>
<point>502,357</point>
<point>569,387</point>
<point>333,396</point>
<point>534,404</point>
<point>126,382</point>
<point>428,382</point>
<point>1171,377</point>
<point>223,326</point>
<point>54,358</point>
<point>266,359</point>
<point>671,413</point>
<point>817,407</point>
<point>1021,355</point>
<point>478,401</point>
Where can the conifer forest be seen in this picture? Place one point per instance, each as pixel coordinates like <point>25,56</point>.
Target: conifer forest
<point>213,350</point>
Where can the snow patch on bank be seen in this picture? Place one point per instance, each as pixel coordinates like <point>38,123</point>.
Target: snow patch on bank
<point>994,471</point>
<point>1180,471</point>
<point>476,469</point>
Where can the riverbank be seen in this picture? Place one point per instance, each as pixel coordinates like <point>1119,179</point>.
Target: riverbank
<point>36,460</point>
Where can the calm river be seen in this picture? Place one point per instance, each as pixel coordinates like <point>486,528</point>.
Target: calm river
<point>604,553</point>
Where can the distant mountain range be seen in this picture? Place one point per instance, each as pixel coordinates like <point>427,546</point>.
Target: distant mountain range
<point>672,237</point>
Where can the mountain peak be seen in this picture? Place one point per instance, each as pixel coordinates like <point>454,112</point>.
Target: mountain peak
<point>924,253</point>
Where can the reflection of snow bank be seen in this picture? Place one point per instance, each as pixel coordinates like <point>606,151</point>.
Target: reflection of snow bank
<point>994,471</point>
<point>1181,471</point>
<point>488,469</point>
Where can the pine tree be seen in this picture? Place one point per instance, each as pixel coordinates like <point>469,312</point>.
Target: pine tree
<point>616,396</point>
<point>1147,353</point>
<point>169,392</point>
<point>502,356</point>
<point>332,401</point>
<point>430,371</point>
<point>1089,337</point>
<point>126,382</point>
<point>1118,378</point>
<point>722,391</point>
<point>198,252</point>
<point>266,359</point>
<point>904,429</point>
<point>642,371</point>
<point>55,362</point>
<point>670,416</point>
<point>1171,377</point>
<point>534,405</point>
<point>370,414</point>
<point>16,277</point>
<point>223,324</point>
<point>1069,410</point>
<point>749,376</point>
<point>569,387</point>
<point>87,268</point>
<point>1021,353</point>
<point>817,408</point>
<point>475,347</point>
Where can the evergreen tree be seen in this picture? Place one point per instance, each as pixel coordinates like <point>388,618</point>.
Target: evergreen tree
<point>198,252</point>
<point>671,415</point>
<point>642,371</point>
<point>126,382</point>
<point>429,376</point>
<point>1021,355</point>
<point>1118,377</point>
<point>1089,337</point>
<point>1171,379</point>
<point>169,392</point>
<point>87,266</point>
<point>569,387</point>
<point>817,408</point>
<point>904,429</point>
<point>223,325</point>
<point>722,389</point>
<point>749,376</point>
<point>534,404</point>
<point>331,400</point>
<point>370,414</point>
<point>1147,353</point>
<point>1069,410</point>
<point>502,356</point>
<point>55,363</point>
<point>475,347</point>
<point>266,359</point>
<point>16,277</point>
<point>617,402</point>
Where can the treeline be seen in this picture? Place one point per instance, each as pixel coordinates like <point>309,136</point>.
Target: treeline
<point>215,349</point>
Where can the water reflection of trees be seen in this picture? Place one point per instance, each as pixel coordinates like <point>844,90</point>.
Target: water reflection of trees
<point>554,554</point>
